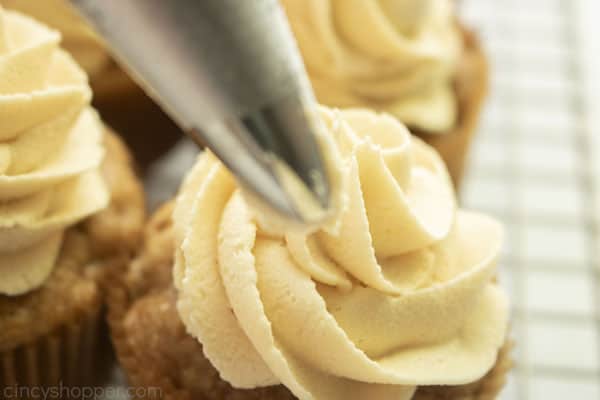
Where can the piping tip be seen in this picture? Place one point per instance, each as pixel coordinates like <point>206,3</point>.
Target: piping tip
<point>276,155</point>
<point>230,74</point>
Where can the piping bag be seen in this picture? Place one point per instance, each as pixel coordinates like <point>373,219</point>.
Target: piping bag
<point>230,74</point>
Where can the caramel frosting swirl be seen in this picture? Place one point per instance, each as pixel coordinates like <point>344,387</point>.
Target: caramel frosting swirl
<point>399,294</point>
<point>398,56</point>
<point>50,151</point>
<point>77,37</point>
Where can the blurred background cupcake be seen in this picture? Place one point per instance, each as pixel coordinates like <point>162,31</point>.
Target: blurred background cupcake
<point>122,104</point>
<point>71,207</point>
<point>410,58</point>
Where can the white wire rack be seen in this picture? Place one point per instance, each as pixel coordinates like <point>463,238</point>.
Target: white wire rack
<point>536,166</point>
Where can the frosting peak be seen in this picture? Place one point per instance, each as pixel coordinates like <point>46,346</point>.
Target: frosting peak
<point>400,295</point>
<point>398,56</point>
<point>50,150</point>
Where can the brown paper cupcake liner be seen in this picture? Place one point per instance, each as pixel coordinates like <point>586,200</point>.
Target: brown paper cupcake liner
<point>55,336</point>
<point>67,356</point>
<point>471,87</point>
<point>156,352</point>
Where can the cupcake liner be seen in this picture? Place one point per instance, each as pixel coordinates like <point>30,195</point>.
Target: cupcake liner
<point>471,88</point>
<point>66,356</point>
<point>156,352</point>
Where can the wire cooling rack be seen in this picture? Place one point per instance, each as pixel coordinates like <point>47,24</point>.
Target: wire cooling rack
<point>536,166</point>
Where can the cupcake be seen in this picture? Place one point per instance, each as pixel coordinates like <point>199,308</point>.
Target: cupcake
<point>70,208</point>
<point>409,58</point>
<point>121,102</point>
<point>394,297</point>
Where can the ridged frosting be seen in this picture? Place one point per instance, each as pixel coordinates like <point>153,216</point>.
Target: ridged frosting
<point>77,37</point>
<point>398,56</point>
<point>398,293</point>
<point>50,151</point>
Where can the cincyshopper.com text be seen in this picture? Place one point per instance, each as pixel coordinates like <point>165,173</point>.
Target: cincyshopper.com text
<point>61,391</point>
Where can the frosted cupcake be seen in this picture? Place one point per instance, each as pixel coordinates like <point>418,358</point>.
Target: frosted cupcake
<point>122,104</point>
<point>70,207</point>
<point>393,298</point>
<point>410,58</point>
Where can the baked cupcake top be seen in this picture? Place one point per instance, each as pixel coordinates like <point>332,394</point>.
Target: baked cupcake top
<point>396,292</point>
<point>50,151</point>
<point>398,56</point>
<point>78,38</point>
